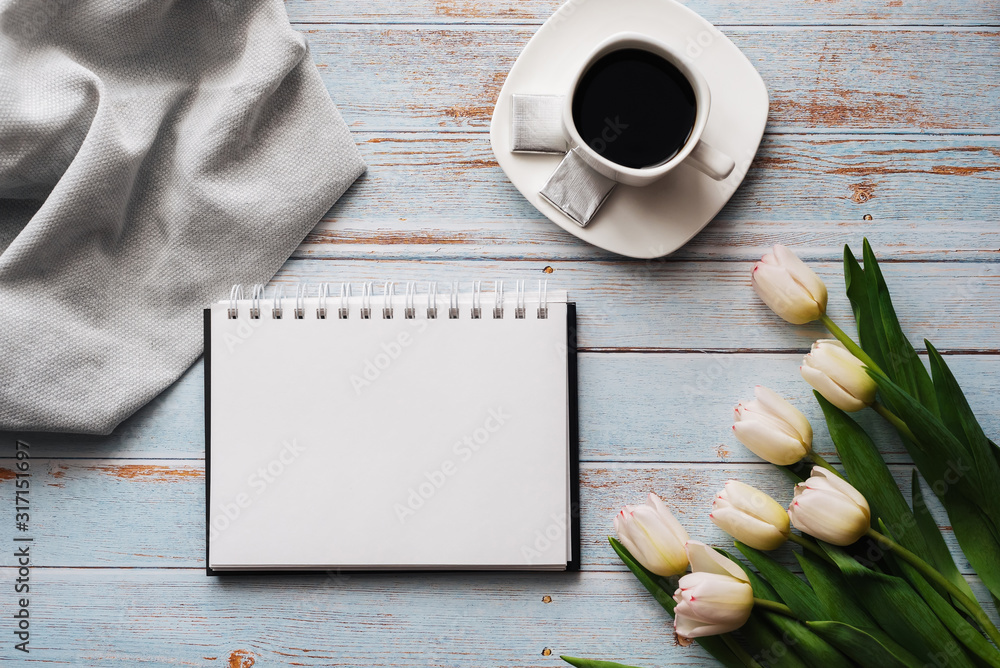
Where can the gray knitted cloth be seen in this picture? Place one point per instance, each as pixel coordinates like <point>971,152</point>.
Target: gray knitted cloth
<point>152,153</point>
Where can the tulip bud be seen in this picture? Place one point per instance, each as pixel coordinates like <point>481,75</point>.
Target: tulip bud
<point>838,375</point>
<point>750,516</point>
<point>713,601</point>
<point>829,508</point>
<point>772,428</point>
<point>789,287</point>
<point>653,536</point>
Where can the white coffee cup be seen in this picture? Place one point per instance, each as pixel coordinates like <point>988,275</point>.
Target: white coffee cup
<point>697,153</point>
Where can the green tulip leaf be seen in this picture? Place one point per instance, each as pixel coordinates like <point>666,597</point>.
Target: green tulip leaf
<point>795,593</point>
<point>805,644</point>
<point>901,361</point>
<point>953,463</point>
<point>593,663</point>
<point>833,592</point>
<point>841,604</point>
<point>772,649</point>
<point>900,611</point>
<point>958,418</point>
<point>654,584</point>
<point>967,634</point>
<point>862,647</point>
<point>975,534</point>
<point>857,293</point>
<point>937,549</point>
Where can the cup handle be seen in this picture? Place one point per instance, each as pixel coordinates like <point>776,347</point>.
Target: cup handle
<point>711,162</point>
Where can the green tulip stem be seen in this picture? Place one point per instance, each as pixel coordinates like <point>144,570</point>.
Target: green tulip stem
<point>807,544</point>
<point>855,349</point>
<point>738,650</point>
<point>820,461</point>
<point>773,606</point>
<point>894,420</point>
<point>931,574</point>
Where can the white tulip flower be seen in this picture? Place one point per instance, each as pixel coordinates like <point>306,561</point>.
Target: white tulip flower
<point>827,507</point>
<point>838,375</point>
<point>653,536</point>
<point>716,598</point>
<point>789,287</point>
<point>750,516</point>
<point>772,428</point>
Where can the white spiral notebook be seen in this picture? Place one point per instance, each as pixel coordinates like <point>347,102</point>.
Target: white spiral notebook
<point>391,430</point>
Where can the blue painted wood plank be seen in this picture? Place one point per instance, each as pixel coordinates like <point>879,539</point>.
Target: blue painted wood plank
<point>180,617</point>
<point>442,195</point>
<point>151,513</point>
<point>161,617</point>
<point>723,12</point>
<point>618,422</point>
<point>630,404</point>
<point>666,304</point>
<point>819,80</point>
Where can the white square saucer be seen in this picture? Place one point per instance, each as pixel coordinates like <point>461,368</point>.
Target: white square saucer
<point>657,219</point>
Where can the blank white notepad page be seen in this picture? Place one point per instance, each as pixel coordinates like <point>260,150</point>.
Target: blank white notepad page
<point>389,443</point>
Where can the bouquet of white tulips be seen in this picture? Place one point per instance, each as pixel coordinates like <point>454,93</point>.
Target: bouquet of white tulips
<point>880,586</point>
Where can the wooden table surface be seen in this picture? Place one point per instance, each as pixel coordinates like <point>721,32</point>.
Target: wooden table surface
<point>884,122</point>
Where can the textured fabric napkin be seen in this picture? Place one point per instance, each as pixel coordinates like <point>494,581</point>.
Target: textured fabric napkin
<point>152,153</point>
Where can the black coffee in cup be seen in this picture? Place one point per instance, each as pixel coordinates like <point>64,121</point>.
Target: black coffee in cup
<point>634,108</point>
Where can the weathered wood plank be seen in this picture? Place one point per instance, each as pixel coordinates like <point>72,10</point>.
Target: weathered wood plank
<point>443,196</point>
<point>617,423</point>
<point>431,77</point>
<point>709,305</point>
<point>180,617</point>
<point>728,12</point>
<point>78,508</point>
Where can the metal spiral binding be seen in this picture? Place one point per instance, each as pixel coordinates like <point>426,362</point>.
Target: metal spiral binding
<point>235,295</point>
<point>452,303</point>
<point>543,304</point>
<point>256,294</point>
<point>324,292</point>
<point>519,300</point>
<point>477,295</point>
<point>366,301</point>
<point>299,312</point>
<point>277,301</point>
<point>497,300</point>
<point>410,311</point>
<point>387,295</point>
<point>432,304</point>
<point>345,295</point>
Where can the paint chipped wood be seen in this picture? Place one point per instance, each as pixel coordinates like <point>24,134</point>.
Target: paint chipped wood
<point>863,13</point>
<point>419,78</point>
<point>441,195</point>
